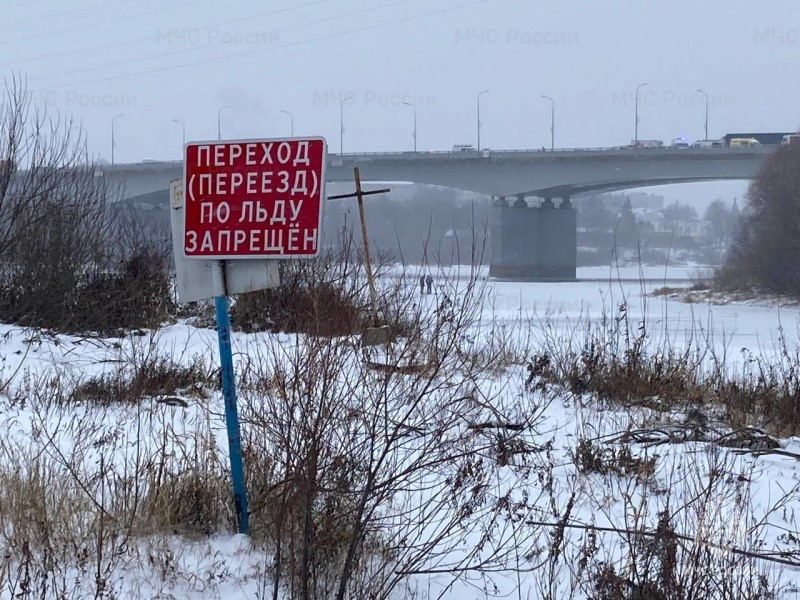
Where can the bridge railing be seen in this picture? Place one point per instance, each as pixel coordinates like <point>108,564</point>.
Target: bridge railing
<point>490,152</point>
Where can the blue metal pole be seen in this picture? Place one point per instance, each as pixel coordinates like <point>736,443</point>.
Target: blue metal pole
<point>231,412</point>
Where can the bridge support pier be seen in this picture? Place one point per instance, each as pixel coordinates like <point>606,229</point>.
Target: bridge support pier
<point>534,244</point>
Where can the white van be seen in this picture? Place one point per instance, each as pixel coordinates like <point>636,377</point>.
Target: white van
<point>744,142</point>
<point>790,138</point>
<point>709,143</point>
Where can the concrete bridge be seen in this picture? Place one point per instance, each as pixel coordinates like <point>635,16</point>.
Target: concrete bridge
<point>527,242</point>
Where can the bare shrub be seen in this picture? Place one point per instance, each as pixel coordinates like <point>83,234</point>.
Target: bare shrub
<point>48,523</point>
<point>294,307</point>
<point>88,502</point>
<point>615,361</point>
<point>594,458</point>
<point>193,501</point>
<point>64,263</point>
<point>380,470</point>
<point>325,296</point>
<point>155,377</point>
<point>612,361</point>
<point>703,543</point>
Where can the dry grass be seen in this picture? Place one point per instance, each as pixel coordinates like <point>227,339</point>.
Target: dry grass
<point>595,458</point>
<point>325,296</point>
<point>157,377</point>
<point>610,364</point>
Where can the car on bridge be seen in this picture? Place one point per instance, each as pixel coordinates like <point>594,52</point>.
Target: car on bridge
<point>763,139</point>
<point>647,144</point>
<point>464,148</point>
<point>680,142</point>
<point>744,142</point>
<point>790,138</point>
<point>709,143</point>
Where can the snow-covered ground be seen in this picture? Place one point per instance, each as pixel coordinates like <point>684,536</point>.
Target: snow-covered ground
<point>225,566</point>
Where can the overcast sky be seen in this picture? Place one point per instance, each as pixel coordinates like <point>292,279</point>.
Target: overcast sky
<point>154,61</point>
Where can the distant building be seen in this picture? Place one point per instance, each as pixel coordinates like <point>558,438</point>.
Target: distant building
<point>646,201</point>
<point>696,229</point>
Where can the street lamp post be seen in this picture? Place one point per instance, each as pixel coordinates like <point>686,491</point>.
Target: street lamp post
<point>113,136</point>
<point>183,130</point>
<point>479,115</point>
<point>82,135</point>
<point>219,121</point>
<point>636,125</point>
<point>414,135</point>
<point>341,123</point>
<point>706,125</point>
<point>552,122</point>
<point>291,122</point>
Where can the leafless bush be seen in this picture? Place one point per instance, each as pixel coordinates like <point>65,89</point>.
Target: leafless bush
<point>617,362</point>
<point>64,260</point>
<point>594,458</point>
<point>189,498</point>
<point>701,543</point>
<point>157,377</point>
<point>90,491</point>
<point>384,462</point>
<point>326,296</point>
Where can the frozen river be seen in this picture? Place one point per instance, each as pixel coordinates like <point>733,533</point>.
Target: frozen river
<point>599,291</point>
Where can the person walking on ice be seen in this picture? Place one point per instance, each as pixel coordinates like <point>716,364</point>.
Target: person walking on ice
<point>422,284</point>
<point>429,281</point>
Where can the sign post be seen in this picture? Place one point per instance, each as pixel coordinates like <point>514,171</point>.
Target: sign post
<point>229,397</point>
<point>246,199</point>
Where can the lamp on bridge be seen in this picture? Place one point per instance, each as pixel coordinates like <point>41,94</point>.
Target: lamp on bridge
<point>341,122</point>
<point>706,126</point>
<point>414,134</point>
<point>291,122</point>
<point>219,121</point>
<point>552,122</point>
<point>183,130</point>
<point>113,138</point>
<point>479,115</point>
<point>636,126</point>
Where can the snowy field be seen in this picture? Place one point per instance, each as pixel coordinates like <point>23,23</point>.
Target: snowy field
<point>754,503</point>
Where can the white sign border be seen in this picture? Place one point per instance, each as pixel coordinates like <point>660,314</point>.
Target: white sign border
<point>322,199</point>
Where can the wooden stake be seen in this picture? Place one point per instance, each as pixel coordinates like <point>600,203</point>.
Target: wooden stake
<point>359,195</point>
<point>365,241</point>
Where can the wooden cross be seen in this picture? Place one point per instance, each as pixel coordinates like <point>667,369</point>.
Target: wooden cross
<point>359,194</point>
